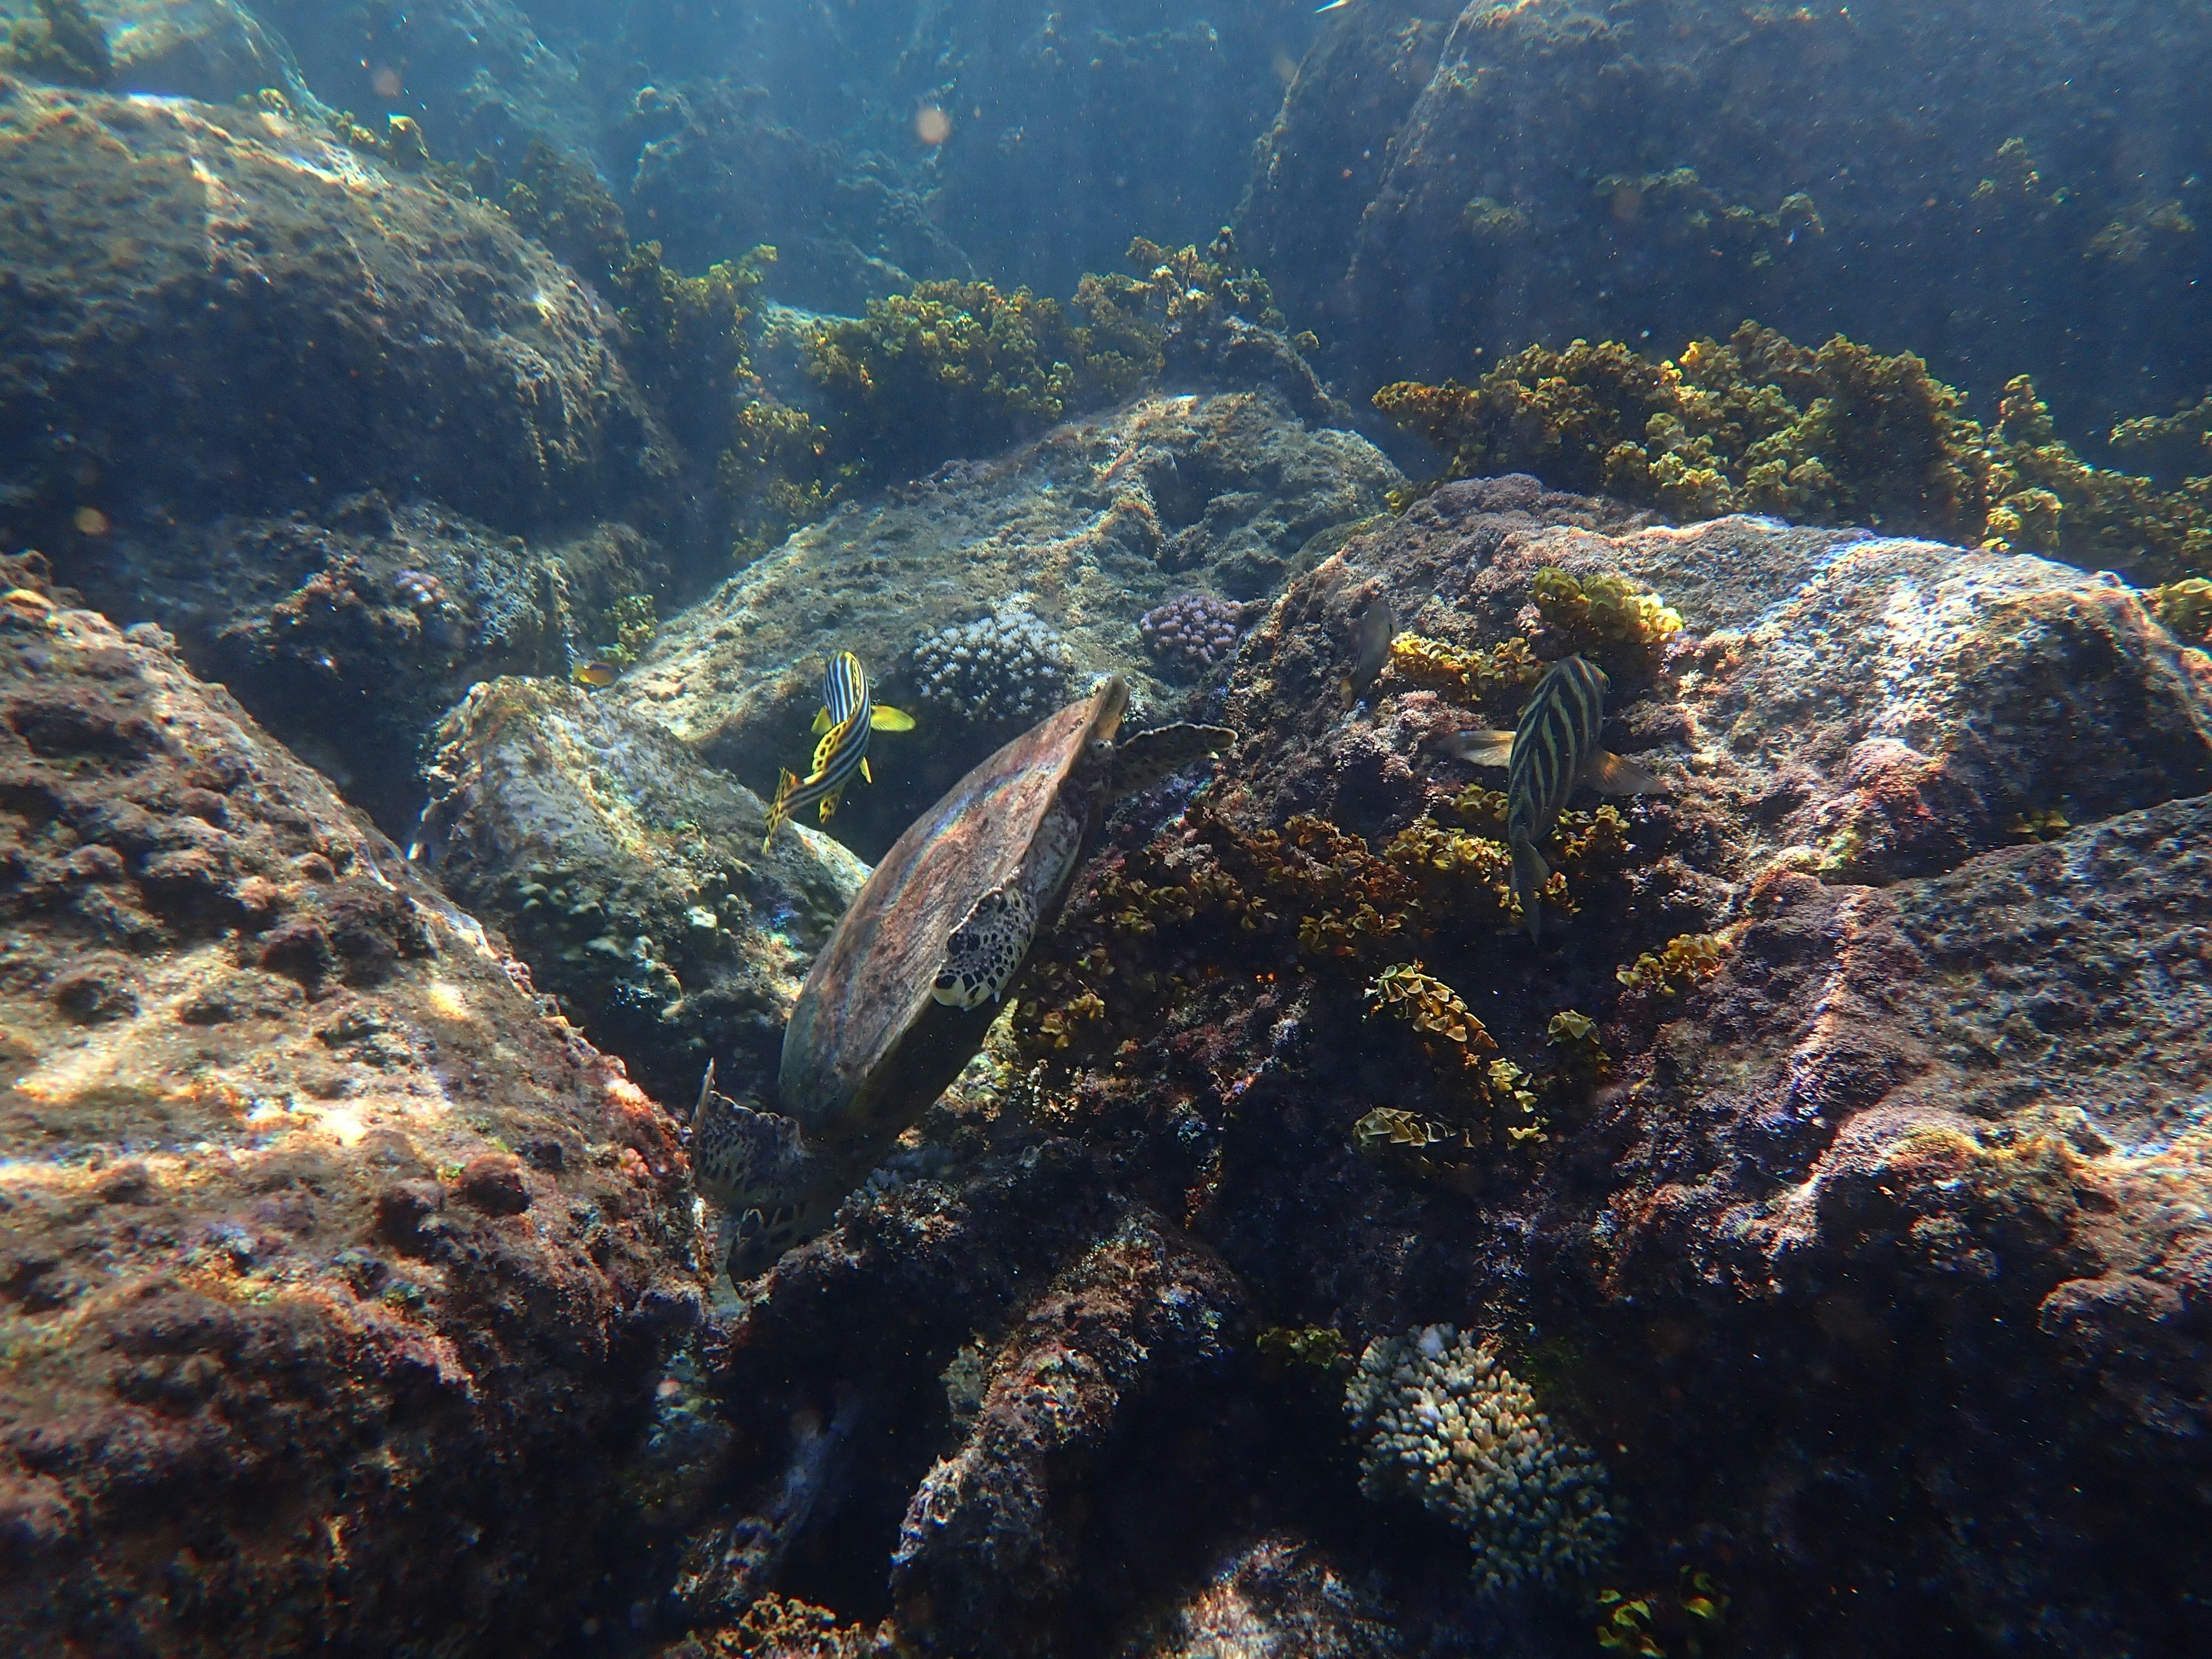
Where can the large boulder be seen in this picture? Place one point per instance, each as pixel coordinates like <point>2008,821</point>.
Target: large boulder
<point>322,1239</point>
<point>1440,190</point>
<point>348,634</point>
<point>630,876</point>
<point>203,309</point>
<point>1084,530</point>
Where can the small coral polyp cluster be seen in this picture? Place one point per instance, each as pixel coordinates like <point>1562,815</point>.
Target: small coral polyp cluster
<point>1192,633</point>
<point>1006,666</point>
<point>1440,1418</point>
<point>1839,434</point>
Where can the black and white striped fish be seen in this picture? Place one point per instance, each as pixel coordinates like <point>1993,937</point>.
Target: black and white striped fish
<point>849,713</point>
<point>1553,752</point>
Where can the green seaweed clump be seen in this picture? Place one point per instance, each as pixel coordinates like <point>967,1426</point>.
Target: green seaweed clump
<point>957,369</point>
<point>1473,675</point>
<point>64,44</point>
<point>1663,1624</point>
<point>1681,962</point>
<point>1839,434</point>
<point>1757,425</point>
<point>2185,608</point>
<point>1607,619</point>
<point>630,624</point>
<point>1316,1347</point>
<point>1454,1037</point>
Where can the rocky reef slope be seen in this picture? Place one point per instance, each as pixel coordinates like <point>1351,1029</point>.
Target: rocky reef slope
<point>322,1237</point>
<point>1837,1169</point>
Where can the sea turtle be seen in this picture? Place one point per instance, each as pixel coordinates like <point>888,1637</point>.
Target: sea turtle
<point>900,998</point>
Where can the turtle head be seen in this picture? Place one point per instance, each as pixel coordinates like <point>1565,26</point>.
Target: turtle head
<point>984,950</point>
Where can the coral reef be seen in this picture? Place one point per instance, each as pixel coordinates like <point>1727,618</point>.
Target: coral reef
<point>1226,489</point>
<point>1440,1418</point>
<point>1006,666</point>
<point>169,231</point>
<point>349,635</point>
<point>1437,188</point>
<point>1193,632</point>
<point>321,1234</point>
<point>628,876</point>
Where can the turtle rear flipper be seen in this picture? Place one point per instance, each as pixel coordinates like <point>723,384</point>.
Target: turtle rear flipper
<point>738,1154</point>
<point>984,950</point>
<point>1143,758</point>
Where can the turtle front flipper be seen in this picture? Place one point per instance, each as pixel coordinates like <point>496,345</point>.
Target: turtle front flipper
<point>755,1167</point>
<point>982,955</point>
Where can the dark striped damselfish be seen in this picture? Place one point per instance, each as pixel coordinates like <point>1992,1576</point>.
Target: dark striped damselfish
<point>1553,751</point>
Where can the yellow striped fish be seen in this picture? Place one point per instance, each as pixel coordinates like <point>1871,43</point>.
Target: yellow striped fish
<point>1553,752</point>
<point>849,714</point>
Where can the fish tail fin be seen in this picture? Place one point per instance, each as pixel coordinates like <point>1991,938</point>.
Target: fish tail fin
<point>1530,872</point>
<point>780,809</point>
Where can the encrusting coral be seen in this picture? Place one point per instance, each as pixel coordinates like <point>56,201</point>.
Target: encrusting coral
<point>1440,1418</point>
<point>1839,434</point>
<point>1008,665</point>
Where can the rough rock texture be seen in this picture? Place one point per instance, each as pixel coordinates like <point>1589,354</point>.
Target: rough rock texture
<point>321,1238</point>
<point>1864,707</point>
<point>1096,522</point>
<point>1276,1598</point>
<point>202,309</point>
<point>1945,180</point>
<point>349,636</point>
<point>630,878</point>
<point>714,174</point>
<point>991,1545</point>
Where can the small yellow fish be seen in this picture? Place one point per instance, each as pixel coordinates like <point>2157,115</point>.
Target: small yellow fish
<point>849,714</point>
<point>596,674</point>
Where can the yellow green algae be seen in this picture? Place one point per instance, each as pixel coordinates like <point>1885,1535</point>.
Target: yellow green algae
<point>1836,435</point>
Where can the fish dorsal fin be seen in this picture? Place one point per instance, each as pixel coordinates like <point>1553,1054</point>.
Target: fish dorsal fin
<point>888,718</point>
<point>821,721</point>
<point>1616,775</point>
<point>1481,747</point>
<point>1143,758</point>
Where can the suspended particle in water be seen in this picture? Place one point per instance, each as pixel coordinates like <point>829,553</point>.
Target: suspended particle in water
<point>90,521</point>
<point>385,80</point>
<point>932,125</point>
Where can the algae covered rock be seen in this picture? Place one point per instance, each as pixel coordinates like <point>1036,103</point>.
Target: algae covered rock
<point>349,635</point>
<point>321,1236</point>
<point>1446,179</point>
<point>212,310</point>
<point>1085,530</point>
<point>631,877</point>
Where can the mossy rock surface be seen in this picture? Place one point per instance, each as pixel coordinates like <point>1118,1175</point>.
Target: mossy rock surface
<point>1092,525</point>
<point>212,310</point>
<point>321,1237</point>
<point>630,876</point>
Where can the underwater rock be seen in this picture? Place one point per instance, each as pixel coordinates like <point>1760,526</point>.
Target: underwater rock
<point>1008,1527</point>
<point>1936,179</point>
<point>277,1302</point>
<point>1271,1599</point>
<point>1860,706</point>
<point>716,174</point>
<point>1088,527</point>
<point>629,876</point>
<point>477,74</point>
<point>211,50</point>
<point>349,636</point>
<point>211,310</point>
